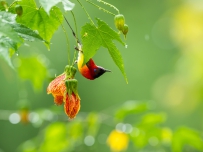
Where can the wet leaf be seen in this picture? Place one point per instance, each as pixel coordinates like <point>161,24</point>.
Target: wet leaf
<point>94,37</point>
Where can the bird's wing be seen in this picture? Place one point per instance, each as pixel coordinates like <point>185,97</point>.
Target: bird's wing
<point>91,65</point>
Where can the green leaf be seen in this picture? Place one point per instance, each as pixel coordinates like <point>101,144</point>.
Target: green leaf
<point>26,33</point>
<point>152,119</point>
<point>9,39</point>
<point>48,4</point>
<point>92,123</point>
<point>129,108</point>
<point>55,133</point>
<point>141,136</point>
<point>7,17</point>
<point>23,31</point>
<point>4,54</point>
<point>94,37</point>
<point>10,33</point>
<point>34,70</point>
<point>37,19</point>
<point>185,136</point>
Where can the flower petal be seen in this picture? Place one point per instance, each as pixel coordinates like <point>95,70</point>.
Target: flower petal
<point>57,86</point>
<point>58,100</point>
<point>72,105</point>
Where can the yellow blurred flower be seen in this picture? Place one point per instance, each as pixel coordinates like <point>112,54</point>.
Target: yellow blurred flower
<point>166,135</point>
<point>117,141</point>
<point>187,25</point>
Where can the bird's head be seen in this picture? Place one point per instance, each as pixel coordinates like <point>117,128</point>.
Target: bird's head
<point>98,71</point>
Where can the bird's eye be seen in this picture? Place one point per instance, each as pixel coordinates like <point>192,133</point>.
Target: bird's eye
<point>95,70</point>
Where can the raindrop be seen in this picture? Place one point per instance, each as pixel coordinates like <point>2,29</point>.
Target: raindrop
<point>89,140</point>
<point>14,118</point>
<point>126,46</point>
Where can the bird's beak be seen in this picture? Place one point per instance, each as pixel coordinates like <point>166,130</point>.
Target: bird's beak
<point>106,70</point>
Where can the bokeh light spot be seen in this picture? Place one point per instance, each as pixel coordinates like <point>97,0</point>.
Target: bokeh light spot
<point>33,117</point>
<point>153,141</point>
<point>89,140</point>
<point>14,118</point>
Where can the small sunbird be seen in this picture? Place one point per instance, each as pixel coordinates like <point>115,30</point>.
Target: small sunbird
<point>89,70</point>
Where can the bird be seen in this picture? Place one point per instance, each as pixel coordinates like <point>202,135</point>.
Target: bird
<point>89,70</point>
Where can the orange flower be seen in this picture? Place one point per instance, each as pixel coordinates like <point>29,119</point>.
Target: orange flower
<point>72,105</point>
<point>57,88</point>
<point>64,89</point>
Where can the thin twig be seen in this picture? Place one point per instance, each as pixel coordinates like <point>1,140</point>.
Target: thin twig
<point>100,8</point>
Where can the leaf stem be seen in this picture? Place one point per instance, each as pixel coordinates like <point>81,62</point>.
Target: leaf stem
<point>68,43</point>
<point>108,4</point>
<point>100,8</point>
<point>86,12</point>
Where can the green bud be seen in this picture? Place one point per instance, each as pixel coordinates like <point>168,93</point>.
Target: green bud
<point>19,10</point>
<point>125,30</point>
<point>3,5</point>
<point>119,21</point>
<point>72,86</point>
<point>70,71</point>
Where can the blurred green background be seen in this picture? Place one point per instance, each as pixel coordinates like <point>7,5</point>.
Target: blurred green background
<point>160,110</point>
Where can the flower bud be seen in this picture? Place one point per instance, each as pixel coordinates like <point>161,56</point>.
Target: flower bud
<point>19,10</point>
<point>70,72</point>
<point>72,105</point>
<point>125,30</point>
<point>119,21</point>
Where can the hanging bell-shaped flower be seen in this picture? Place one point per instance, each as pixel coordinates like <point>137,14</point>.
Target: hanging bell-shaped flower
<point>64,89</point>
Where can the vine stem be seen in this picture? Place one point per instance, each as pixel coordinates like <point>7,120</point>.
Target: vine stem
<point>12,4</point>
<point>100,8</point>
<point>68,44</point>
<point>76,30</point>
<point>108,4</point>
<point>86,12</point>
